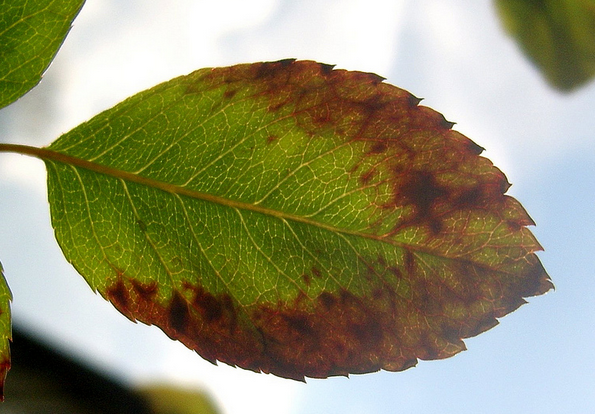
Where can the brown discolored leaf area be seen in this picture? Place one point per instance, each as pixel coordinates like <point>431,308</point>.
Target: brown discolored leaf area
<point>339,227</point>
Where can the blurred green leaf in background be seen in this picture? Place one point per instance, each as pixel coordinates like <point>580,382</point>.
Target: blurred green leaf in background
<point>167,399</point>
<point>31,32</point>
<point>557,35</point>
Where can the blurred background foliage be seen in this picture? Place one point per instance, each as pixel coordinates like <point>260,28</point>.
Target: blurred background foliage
<point>558,36</point>
<point>45,381</point>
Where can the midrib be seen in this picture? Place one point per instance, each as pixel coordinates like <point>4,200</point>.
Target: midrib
<point>50,155</point>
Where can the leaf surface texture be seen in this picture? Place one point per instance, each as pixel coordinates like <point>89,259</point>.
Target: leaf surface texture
<point>290,218</point>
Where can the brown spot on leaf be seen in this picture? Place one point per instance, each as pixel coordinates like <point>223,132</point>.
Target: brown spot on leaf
<point>435,226</point>
<point>396,272</point>
<point>118,294</point>
<point>146,291</point>
<point>270,69</point>
<point>327,300</point>
<point>470,198</point>
<point>210,307</point>
<point>378,147</point>
<point>514,225</point>
<point>422,191</point>
<point>179,313</point>
<point>230,93</point>
<point>377,293</point>
<point>368,332</point>
<point>300,323</point>
<point>316,272</point>
<point>277,106</point>
<point>366,177</point>
<point>409,262</point>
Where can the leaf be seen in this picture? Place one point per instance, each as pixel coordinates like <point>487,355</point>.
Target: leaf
<point>165,399</point>
<point>31,32</point>
<point>290,218</point>
<point>557,35</point>
<point>5,330</point>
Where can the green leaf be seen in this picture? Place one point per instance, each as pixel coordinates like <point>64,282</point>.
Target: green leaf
<point>166,399</point>
<point>5,330</point>
<point>290,218</point>
<point>557,35</point>
<point>31,32</point>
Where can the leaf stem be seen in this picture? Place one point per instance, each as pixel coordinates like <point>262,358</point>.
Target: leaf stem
<point>23,150</point>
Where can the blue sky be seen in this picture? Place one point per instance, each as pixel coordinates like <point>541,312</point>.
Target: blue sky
<point>454,54</point>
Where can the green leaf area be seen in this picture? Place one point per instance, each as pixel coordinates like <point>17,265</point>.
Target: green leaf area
<point>5,330</point>
<point>31,32</point>
<point>557,35</point>
<point>294,219</point>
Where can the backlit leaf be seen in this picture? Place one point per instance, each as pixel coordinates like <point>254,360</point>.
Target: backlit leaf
<point>557,35</point>
<point>5,330</point>
<point>290,218</point>
<point>31,31</point>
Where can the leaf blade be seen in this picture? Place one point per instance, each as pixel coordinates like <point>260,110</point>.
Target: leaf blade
<point>308,221</point>
<point>31,32</point>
